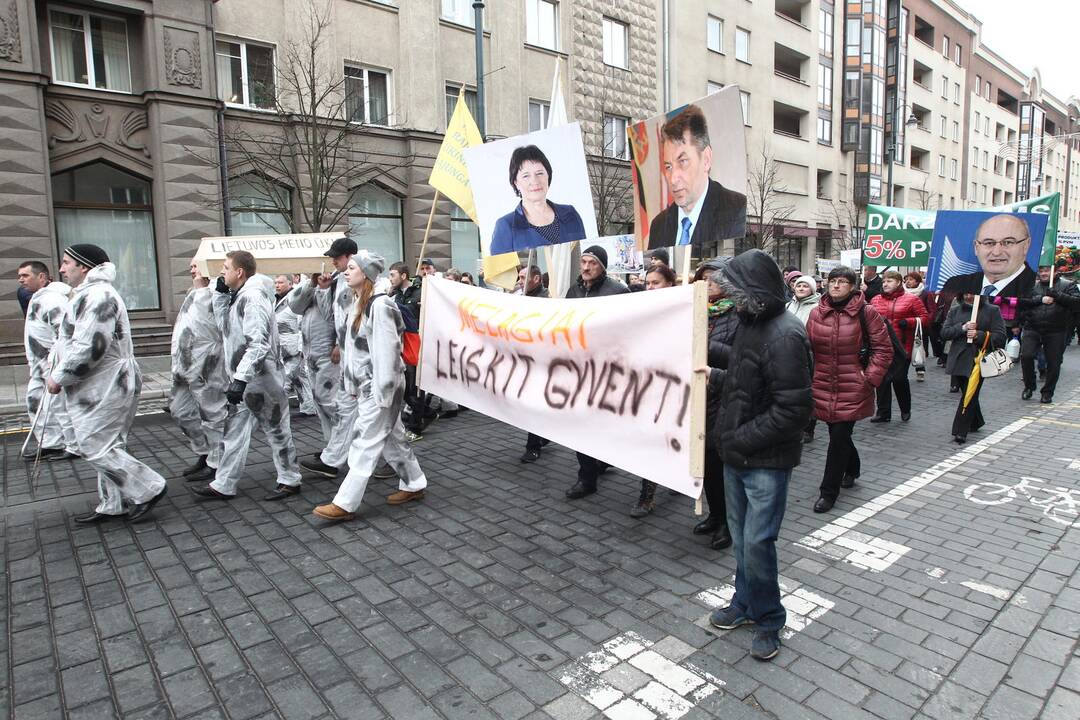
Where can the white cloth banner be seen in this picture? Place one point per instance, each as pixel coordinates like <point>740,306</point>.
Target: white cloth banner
<point>609,376</point>
<point>274,254</point>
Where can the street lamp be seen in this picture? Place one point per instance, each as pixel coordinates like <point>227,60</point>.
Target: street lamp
<point>891,150</point>
<point>478,27</point>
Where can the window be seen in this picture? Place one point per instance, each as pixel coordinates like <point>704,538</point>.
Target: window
<point>245,73</point>
<point>944,124</point>
<point>941,165</point>
<point>958,54</point>
<point>375,221</point>
<point>987,88</point>
<point>464,241</point>
<point>953,168</point>
<point>539,111</point>
<point>452,92</point>
<point>978,85</point>
<point>956,131</point>
<point>986,160</point>
<point>824,93</point>
<point>259,206</point>
<point>945,87</point>
<point>824,131</point>
<point>945,45</point>
<point>825,32</point>
<point>974,156</point>
<point>616,41</point>
<point>742,45</point>
<point>459,11</point>
<point>714,34</point>
<point>744,98</point>
<point>89,50</point>
<point>982,194</point>
<point>103,205</point>
<point>986,126</point>
<point>713,87</point>
<point>852,35</point>
<point>974,187</point>
<point>542,23</point>
<point>956,93</point>
<point>978,119</point>
<point>367,95</point>
<point>615,137</point>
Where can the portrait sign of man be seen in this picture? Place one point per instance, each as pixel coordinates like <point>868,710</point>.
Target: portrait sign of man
<point>985,253</point>
<point>702,210</point>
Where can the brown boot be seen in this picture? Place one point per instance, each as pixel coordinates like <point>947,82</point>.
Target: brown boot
<point>330,511</point>
<point>404,496</point>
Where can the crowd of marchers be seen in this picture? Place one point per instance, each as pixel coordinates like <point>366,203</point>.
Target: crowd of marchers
<point>787,352</point>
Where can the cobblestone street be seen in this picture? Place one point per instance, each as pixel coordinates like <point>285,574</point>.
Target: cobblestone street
<point>944,585</point>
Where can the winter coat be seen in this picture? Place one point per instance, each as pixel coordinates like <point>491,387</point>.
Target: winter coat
<point>604,285</point>
<point>43,316</point>
<point>765,399</point>
<point>722,329</point>
<point>902,310</point>
<point>801,308</point>
<point>1055,318</point>
<point>873,288</point>
<point>843,390</point>
<point>316,330</point>
<point>962,353</point>
<point>198,351</point>
<point>96,364</point>
<point>372,356</point>
<point>247,324</point>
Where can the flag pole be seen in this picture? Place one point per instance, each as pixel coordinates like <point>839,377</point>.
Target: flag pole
<point>427,231</point>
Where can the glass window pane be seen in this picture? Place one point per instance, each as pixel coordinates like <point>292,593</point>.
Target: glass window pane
<point>108,41</point>
<point>263,222</point>
<point>379,234</point>
<point>68,48</point>
<point>378,98</point>
<point>99,183</point>
<point>260,67</point>
<point>464,241</point>
<point>230,73</point>
<point>354,94</point>
<point>128,238</point>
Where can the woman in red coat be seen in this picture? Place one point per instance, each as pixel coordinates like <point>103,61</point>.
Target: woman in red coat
<point>902,310</point>
<point>844,377</point>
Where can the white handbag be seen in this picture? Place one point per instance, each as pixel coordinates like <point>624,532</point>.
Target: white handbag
<point>1012,349</point>
<point>995,364</point>
<point>918,350</point>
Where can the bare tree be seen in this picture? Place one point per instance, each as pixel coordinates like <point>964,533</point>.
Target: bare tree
<point>926,199</point>
<point>306,147</point>
<point>847,218</point>
<point>609,170</point>
<point>766,200</point>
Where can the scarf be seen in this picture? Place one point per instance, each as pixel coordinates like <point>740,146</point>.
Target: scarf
<point>720,307</point>
<point>916,291</point>
<point>840,303</point>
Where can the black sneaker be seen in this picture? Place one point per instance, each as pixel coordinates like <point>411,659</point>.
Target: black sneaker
<point>580,490</point>
<point>319,468</point>
<point>728,618</point>
<point>197,468</point>
<point>766,645</point>
<point>530,456</point>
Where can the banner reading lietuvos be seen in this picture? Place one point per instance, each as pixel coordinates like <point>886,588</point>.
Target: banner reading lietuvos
<point>610,377</point>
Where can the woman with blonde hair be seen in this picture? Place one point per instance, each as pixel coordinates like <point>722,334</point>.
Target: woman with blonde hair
<point>374,374</point>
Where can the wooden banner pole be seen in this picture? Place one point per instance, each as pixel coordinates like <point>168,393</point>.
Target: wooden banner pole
<point>686,263</point>
<point>698,387</point>
<point>427,231</point>
<point>423,304</point>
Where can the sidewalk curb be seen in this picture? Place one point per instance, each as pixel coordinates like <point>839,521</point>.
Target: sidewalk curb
<point>10,410</point>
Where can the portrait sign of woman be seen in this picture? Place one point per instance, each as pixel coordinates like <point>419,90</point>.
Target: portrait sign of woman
<point>536,221</point>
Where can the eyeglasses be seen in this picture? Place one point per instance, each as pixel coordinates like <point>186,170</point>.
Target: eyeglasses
<point>1006,243</point>
<point>840,281</point>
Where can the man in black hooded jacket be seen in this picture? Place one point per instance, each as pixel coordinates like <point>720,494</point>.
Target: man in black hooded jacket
<point>765,403</point>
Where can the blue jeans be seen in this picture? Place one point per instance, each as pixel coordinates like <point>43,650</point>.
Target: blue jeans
<point>756,499</point>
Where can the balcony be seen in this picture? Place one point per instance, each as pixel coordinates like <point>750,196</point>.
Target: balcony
<point>922,75</point>
<point>923,115</point>
<point>920,159</point>
<point>793,10</point>
<point>924,32</point>
<point>788,120</point>
<point>789,64</point>
<point>1005,101</point>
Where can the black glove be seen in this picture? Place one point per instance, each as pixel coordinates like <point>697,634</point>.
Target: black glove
<point>1053,293</point>
<point>902,324</point>
<point>235,393</point>
<point>221,287</point>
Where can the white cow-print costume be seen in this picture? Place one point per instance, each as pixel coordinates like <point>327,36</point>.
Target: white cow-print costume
<point>53,428</point>
<point>101,383</point>
<point>291,351</point>
<point>317,332</point>
<point>197,399</point>
<point>246,319</point>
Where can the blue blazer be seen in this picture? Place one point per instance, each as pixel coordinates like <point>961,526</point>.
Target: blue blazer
<point>513,232</point>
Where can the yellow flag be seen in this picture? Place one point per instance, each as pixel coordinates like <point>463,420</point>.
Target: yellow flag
<point>449,175</point>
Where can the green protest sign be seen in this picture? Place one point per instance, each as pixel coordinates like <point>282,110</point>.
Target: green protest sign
<point>901,236</point>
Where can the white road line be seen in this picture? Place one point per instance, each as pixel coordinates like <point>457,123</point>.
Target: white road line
<point>803,606</point>
<point>999,593</point>
<point>837,539</point>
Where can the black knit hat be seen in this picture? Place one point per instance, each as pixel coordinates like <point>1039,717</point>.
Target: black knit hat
<point>86,254</point>
<point>598,253</point>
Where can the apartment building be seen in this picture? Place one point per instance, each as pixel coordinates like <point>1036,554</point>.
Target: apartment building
<point>114,111</point>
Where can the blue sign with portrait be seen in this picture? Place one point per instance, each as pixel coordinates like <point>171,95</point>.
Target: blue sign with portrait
<point>985,253</point>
